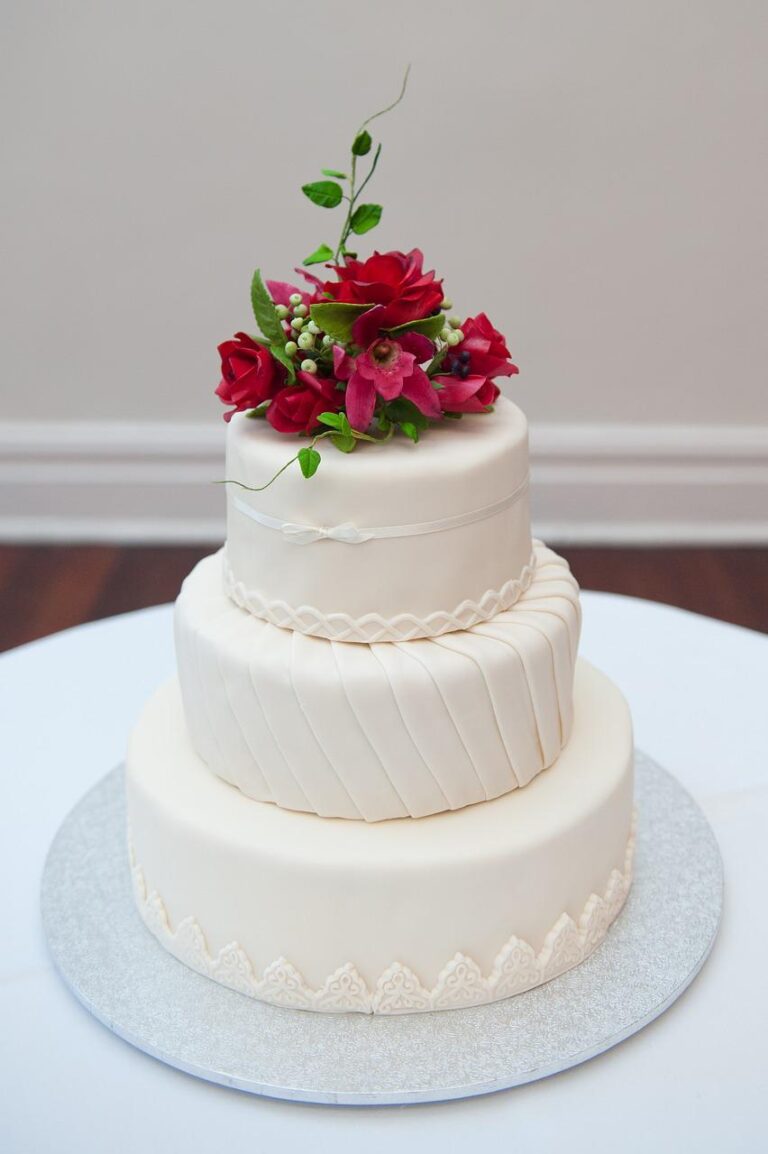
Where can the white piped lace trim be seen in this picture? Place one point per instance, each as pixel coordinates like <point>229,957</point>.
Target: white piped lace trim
<point>373,627</point>
<point>461,982</point>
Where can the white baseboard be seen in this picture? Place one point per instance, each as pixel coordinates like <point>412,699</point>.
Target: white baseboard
<point>592,483</point>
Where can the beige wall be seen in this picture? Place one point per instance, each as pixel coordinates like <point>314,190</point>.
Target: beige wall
<point>594,174</point>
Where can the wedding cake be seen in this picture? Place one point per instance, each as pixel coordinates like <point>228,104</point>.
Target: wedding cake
<point>382,780</point>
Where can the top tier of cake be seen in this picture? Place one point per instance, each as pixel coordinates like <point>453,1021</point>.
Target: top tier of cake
<point>389,543</point>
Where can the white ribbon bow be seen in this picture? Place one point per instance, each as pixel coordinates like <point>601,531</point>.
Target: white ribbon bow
<point>306,534</point>
<point>349,534</point>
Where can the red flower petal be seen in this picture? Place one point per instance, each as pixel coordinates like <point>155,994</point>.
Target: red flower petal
<point>418,388</point>
<point>360,402</point>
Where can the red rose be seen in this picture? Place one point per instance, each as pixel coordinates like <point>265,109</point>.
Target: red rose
<point>295,409</point>
<point>249,374</point>
<point>393,279</point>
<point>470,395</point>
<point>483,350</point>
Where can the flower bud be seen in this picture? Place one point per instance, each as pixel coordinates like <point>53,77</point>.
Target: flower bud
<point>297,323</point>
<point>454,322</point>
<point>454,338</point>
<point>306,341</point>
<point>294,299</point>
<point>308,366</point>
<point>300,311</point>
<point>327,340</point>
<point>445,333</point>
<point>312,327</point>
<point>447,304</point>
<point>281,311</point>
<point>291,348</point>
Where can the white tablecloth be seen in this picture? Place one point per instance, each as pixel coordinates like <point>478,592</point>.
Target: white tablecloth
<point>695,1080</point>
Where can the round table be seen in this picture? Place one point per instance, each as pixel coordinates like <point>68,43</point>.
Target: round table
<point>694,1079</point>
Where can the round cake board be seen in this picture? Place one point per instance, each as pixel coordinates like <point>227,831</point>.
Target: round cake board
<point>117,969</point>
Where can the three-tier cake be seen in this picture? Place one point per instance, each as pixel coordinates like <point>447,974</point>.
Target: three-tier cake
<point>382,781</point>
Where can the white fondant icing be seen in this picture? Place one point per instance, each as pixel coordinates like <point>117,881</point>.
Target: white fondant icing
<point>461,982</point>
<point>386,730</point>
<point>333,915</point>
<point>355,535</point>
<point>456,470</point>
<point>373,627</point>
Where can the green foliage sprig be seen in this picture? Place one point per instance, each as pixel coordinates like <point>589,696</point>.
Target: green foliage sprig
<point>342,435</point>
<point>360,218</point>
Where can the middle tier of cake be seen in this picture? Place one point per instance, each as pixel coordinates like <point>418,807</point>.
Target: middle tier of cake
<point>386,730</point>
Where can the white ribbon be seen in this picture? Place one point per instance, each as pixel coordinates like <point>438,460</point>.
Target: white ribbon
<point>305,534</point>
<point>349,534</point>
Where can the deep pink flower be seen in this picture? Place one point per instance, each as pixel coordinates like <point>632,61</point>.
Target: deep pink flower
<point>386,369</point>
<point>295,408</point>
<point>481,355</point>
<point>471,395</point>
<point>483,350</point>
<point>281,292</point>
<point>395,280</point>
<point>249,374</point>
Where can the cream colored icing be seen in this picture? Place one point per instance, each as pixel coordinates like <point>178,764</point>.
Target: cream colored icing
<point>459,468</point>
<point>385,730</point>
<point>374,627</point>
<point>461,982</point>
<point>247,885</point>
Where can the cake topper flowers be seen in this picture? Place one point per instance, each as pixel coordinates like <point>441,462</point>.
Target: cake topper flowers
<point>366,351</point>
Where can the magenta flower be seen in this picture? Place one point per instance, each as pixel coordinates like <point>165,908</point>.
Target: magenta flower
<point>281,291</point>
<point>386,369</point>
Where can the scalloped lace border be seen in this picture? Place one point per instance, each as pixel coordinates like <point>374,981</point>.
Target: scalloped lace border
<point>373,627</point>
<point>517,966</point>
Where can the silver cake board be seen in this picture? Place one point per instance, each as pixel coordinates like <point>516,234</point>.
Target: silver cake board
<point>126,979</point>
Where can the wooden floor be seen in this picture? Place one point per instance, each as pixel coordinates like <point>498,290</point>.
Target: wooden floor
<point>44,588</point>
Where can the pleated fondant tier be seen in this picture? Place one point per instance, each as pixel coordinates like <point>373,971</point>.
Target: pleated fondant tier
<point>385,730</point>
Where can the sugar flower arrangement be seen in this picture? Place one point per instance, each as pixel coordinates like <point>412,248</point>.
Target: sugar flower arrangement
<point>365,352</point>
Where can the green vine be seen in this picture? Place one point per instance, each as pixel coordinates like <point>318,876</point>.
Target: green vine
<point>342,435</point>
<point>360,218</point>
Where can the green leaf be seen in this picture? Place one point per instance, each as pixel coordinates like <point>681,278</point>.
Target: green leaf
<point>319,255</point>
<point>269,322</point>
<point>410,430</point>
<point>337,317</point>
<point>345,439</point>
<point>361,145</point>
<point>259,412</point>
<point>365,217</point>
<point>401,410</point>
<point>326,193</point>
<point>332,420</point>
<point>346,444</point>
<point>264,311</point>
<point>309,461</point>
<point>333,172</point>
<point>428,327</point>
<point>436,364</point>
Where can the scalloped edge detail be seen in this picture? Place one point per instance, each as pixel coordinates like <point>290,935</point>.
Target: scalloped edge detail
<point>373,627</point>
<point>461,982</point>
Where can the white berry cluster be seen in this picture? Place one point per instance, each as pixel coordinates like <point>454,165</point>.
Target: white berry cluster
<point>303,334</point>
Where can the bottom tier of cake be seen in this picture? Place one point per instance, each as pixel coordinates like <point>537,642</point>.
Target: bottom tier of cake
<point>411,914</point>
